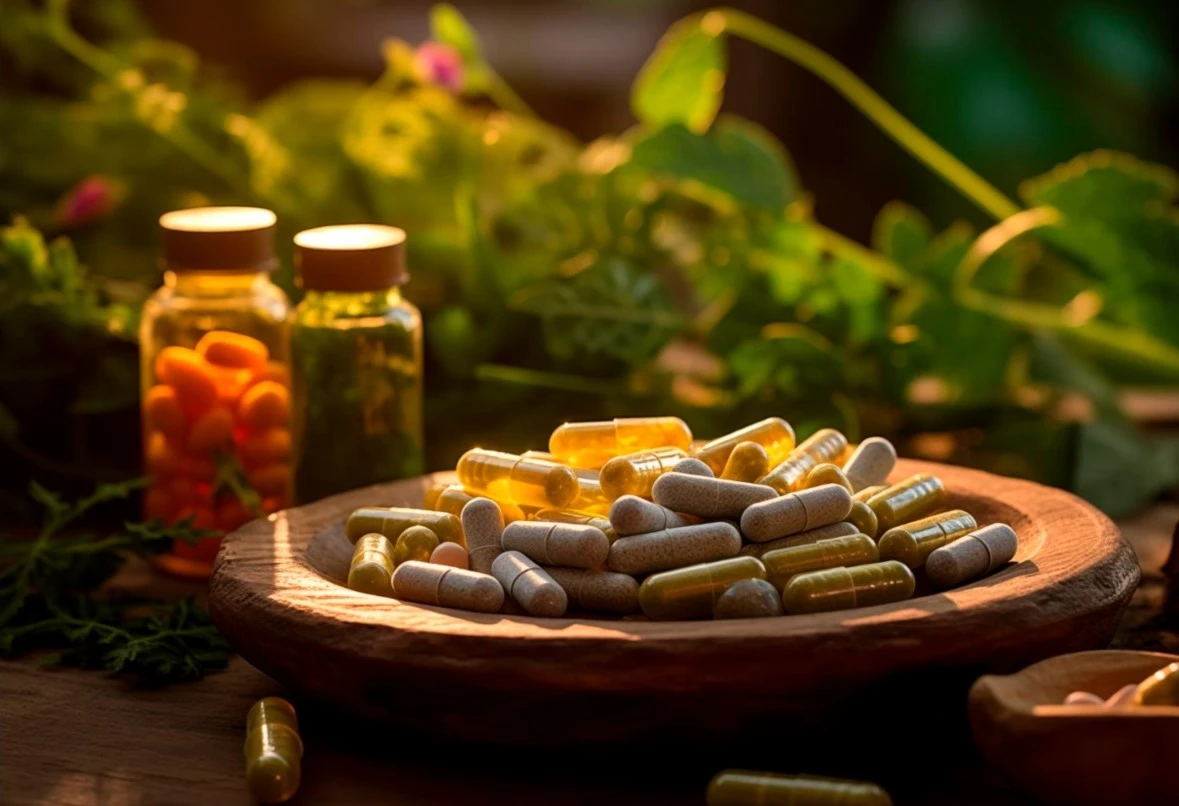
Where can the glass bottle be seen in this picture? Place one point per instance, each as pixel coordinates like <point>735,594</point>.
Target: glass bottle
<point>357,361</point>
<point>215,375</point>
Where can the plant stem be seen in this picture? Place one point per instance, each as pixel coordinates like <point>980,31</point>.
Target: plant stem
<point>864,98</point>
<point>505,97</point>
<point>878,264</point>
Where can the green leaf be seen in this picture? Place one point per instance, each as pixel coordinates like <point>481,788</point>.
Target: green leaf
<point>1103,184</point>
<point>683,80</point>
<point>449,27</point>
<point>1117,469</point>
<point>736,158</point>
<point>901,233</point>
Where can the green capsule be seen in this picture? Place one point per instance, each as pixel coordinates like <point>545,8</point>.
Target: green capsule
<point>748,598</point>
<point>273,750</point>
<point>846,588</point>
<point>372,565</point>
<point>415,543</point>
<point>912,543</point>
<point>392,521</point>
<point>746,788</point>
<point>688,593</point>
<point>907,500</point>
<point>864,519</point>
<point>834,552</point>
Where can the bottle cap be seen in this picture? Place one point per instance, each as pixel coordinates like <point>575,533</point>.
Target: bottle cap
<point>235,239</point>
<point>351,257</point>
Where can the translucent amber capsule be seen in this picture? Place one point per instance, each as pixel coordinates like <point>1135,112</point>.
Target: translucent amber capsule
<point>835,552</point>
<point>415,543</point>
<point>746,788</point>
<point>591,498</point>
<point>527,482</point>
<point>912,543</point>
<point>234,350</point>
<point>825,445</point>
<point>907,500</point>
<point>273,750</point>
<point>372,566</point>
<point>581,518</point>
<point>1161,688</point>
<point>747,462</point>
<point>585,443</point>
<point>773,433</point>
<point>430,496</point>
<point>392,521</point>
<point>452,498</point>
<point>688,593</point>
<point>827,473</point>
<point>635,473</point>
<point>845,588</point>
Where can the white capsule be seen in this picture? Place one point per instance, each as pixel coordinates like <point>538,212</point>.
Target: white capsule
<point>708,498</point>
<point>971,556</point>
<point>442,585</point>
<point>870,463</point>
<point>568,544</point>
<point>529,585</point>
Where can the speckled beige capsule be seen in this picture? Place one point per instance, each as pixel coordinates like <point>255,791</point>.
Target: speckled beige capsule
<point>674,548</point>
<point>796,512</point>
<point>529,585</point>
<point>447,587</point>
<point>863,518</point>
<point>598,591</point>
<point>868,492</point>
<point>581,518</point>
<point>708,498</point>
<point>573,545</point>
<point>912,543</point>
<point>631,515</point>
<point>870,463</point>
<point>773,433</point>
<point>483,525</point>
<point>825,445</point>
<point>907,500</point>
<point>972,556</point>
<point>693,467</point>
<point>826,473</point>
<point>747,462</point>
<point>840,529</point>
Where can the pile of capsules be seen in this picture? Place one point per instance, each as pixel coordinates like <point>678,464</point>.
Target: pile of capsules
<point>630,515</point>
<point>1161,688</point>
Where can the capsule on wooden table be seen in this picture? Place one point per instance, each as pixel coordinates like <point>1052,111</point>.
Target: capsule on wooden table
<point>526,482</point>
<point>912,543</point>
<point>840,529</point>
<point>748,788</point>
<point>825,445</point>
<point>392,521</point>
<point>870,463</point>
<point>708,498</point>
<point>529,585</point>
<point>796,512</point>
<point>415,543</point>
<point>749,598</point>
<point>747,462</point>
<point>847,588</point>
<point>452,498</point>
<point>273,750</point>
<point>693,467</point>
<point>971,556</point>
<point>773,433</point>
<point>483,525</point>
<point>863,518</point>
<point>835,552</point>
<point>597,442</point>
<point>572,545</point>
<point>691,593</point>
<point>371,570</point>
<point>1161,688</point>
<point>598,591</point>
<point>579,518</point>
<point>446,586</point>
<point>907,500</point>
<point>826,473</point>
<point>634,473</point>
<point>632,515</point>
<point>674,548</point>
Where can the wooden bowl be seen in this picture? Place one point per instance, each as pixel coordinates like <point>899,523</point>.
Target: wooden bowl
<point>1068,754</point>
<point>278,595</point>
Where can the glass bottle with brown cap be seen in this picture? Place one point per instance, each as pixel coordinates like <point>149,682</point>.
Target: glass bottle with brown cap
<point>357,361</point>
<point>215,352</point>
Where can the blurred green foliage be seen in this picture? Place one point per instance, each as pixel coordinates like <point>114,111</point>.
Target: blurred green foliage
<point>675,267</point>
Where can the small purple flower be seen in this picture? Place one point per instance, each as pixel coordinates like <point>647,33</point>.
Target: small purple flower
<point>440,65</point>
<point>86,202</point>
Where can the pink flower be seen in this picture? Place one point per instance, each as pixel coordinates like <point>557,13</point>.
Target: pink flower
<point>440,65</point>
<point>86,202</point>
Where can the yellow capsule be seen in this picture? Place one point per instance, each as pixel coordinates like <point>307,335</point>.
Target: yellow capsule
<point>392,521</point>
<point>371,570</point>
<point>912,543</point>
<point>748,788</point>
<point>864,519</point>
<point>825,445</point>
<point>748,461</point>
<point>580,518</point>
<point>415,543</point>
<point>1161,688</point>
<point>773,433</point>
<point>907,500</point>
<point>586,443</point>
<point>827,473</point>
<point>527,482</point>
<point>430,496</point>
<point>453,498</point>
<point>868,492</point>
<point>835,552</point>
<point>845,588</point>
<point>635,473</point>
<point>591,498</point>
<point>273,750</point>
<point>688,593</point>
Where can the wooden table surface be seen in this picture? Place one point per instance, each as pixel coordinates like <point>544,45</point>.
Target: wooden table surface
<point>73,738</point>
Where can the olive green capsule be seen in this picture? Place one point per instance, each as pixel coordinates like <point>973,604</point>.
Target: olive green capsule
<point>825,445</point>
<point>372,566</point>
<point>748,461</point>
<point>868,492</point>
<point>273,750</point>
<point>415,543</point>
<point>689,593</point>
<point>747,788</point>
<point>1161,688</point>
<point>392,521</point>
<point>863,518</point>
<point>907,500</point>
<point>912,543</point>
<point>846,588</point>
<point>834,552</point>
<point>827,473</point>
<point>749,598</point>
